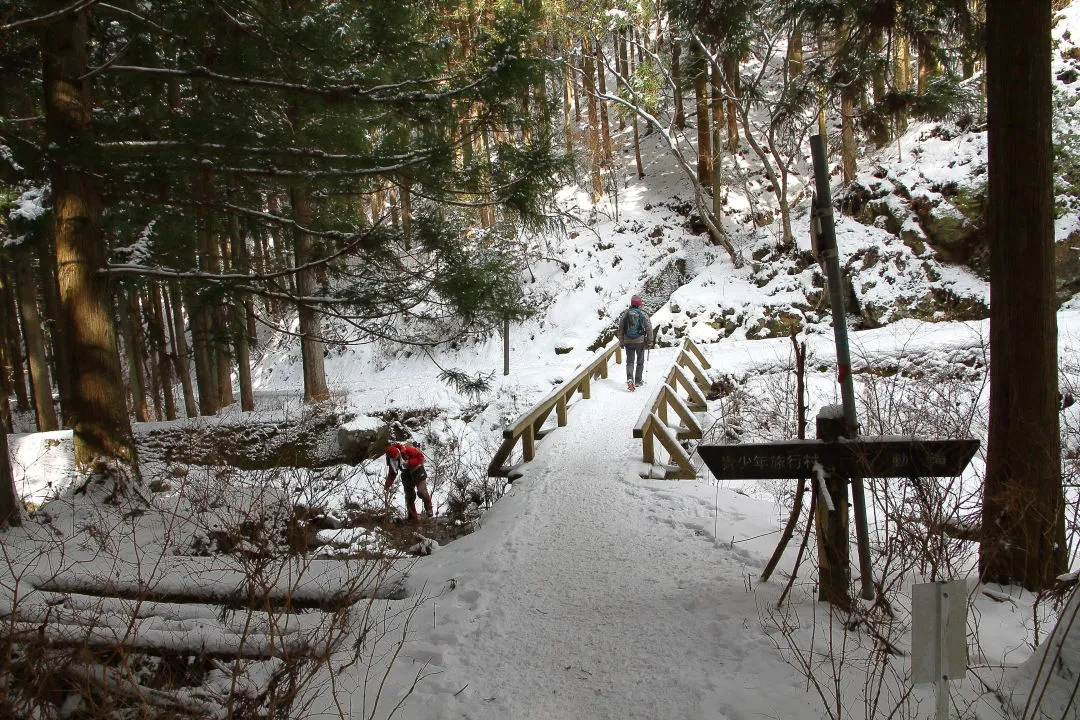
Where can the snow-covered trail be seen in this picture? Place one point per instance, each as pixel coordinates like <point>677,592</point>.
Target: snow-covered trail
<point>584,595</point>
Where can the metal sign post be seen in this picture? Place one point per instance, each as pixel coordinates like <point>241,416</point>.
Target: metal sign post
<point>826,244</point>
<point>939,637</point>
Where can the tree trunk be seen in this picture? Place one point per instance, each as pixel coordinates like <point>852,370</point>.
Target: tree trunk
<point>676,78</point>
<point>6,423</point>
<point>152,352</point>
<point>1023,506</point>
<point>129,319</point>
<point>34,338</point>
<point>929,67</point>
<point>628,68</point>
<point>222,320</point>
<point>205,366</point>
<point>568,91</point>
<point>601,84</point>
<point>311,343</point>
<point>592,132</point>
<point>239,319</point>
<point>731,70</point>
<point>9,498</point>
<point>50,294</point>
<point>881,134</point>
<point>164,361</point>
<point>487,210</point>
<point>406,209</point>
<point>716,105</point>
<point>575,93</point>
<point>902,77</point>
<point>180,348</point>
<point>11,349</point>
<point>795,61</point>
<point>847,134</point>
<point>618,39</point>
<point>102,429</point>
<point>701,108</point>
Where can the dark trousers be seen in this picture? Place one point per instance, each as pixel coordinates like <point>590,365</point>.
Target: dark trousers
<point>635,363</point>
<point>409,480</point>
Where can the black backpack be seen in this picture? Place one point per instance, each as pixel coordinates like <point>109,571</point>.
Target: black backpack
<point>634,323</point>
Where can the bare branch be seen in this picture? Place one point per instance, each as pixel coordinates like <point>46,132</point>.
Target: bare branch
<point>52,17</point>
<point>376,93</point>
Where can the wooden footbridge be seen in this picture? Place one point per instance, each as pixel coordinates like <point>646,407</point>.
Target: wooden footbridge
<point>687,376</point>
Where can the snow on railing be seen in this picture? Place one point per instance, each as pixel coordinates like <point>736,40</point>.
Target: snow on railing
<point>527,427</point>
<point>688,372</point>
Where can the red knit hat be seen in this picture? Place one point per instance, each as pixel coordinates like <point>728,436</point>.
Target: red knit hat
<point>635,301</point>
<point>394,450</point>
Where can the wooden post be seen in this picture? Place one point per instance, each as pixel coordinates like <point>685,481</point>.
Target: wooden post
<point>528,444</point>
<point>834,565</point>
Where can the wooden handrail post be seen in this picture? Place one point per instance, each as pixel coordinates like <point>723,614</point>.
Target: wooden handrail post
<point>528,443</point>
<point>648,449</point>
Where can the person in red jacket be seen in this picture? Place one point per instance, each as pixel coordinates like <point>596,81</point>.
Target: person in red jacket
<point>409,463</point>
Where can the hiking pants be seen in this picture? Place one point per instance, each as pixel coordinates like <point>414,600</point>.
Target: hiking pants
<point>635,362</point>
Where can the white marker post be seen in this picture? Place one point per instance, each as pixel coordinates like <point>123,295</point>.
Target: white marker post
<point>939,637</point>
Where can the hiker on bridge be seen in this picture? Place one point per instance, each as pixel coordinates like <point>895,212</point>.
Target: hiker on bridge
<point>408,461</point>
<point>635,337</point>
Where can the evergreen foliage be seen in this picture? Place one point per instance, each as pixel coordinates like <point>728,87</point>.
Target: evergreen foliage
<point>212,110</point>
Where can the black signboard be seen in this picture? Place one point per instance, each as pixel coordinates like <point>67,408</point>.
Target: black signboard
<point>864,457</point>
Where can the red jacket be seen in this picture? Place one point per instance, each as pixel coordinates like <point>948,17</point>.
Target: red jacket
<point>408,458</point>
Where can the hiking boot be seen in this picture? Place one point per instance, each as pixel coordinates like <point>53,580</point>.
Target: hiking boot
<point>630,385</point>
<point>639,383</point>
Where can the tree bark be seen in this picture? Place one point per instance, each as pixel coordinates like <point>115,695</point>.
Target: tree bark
<point>731,70</point>
<point>205,366</point>
<point>1023,504</point>
<point>676,78</point>
<point>11,349</point>
<point>311,343</point>
<point>568,91</point>
<point>164,361</point>
<point>795,61</point>
<point>847,134</point>
<point>50,294</point>
<point>102,430</point>
<point>929,67</point>
<point>222,318</point>
<point>9,498</point>
<point>881,134</point>
<point>34,339</point>
<point>628,69</point>
<point>618,39</point>
<point>701,108</point>
<point>239,319</point>
<point>592,131</point>
<point>129,321</point>
<point>716,104</point>
<point>601,84</point>
<point>180,348</point>
<point>902,77</point>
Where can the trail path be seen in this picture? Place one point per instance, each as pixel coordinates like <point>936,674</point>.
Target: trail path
<point>590,592</point>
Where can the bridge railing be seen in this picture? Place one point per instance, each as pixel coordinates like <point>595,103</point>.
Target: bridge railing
<point>687,373</point>
<point>527,427</point>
